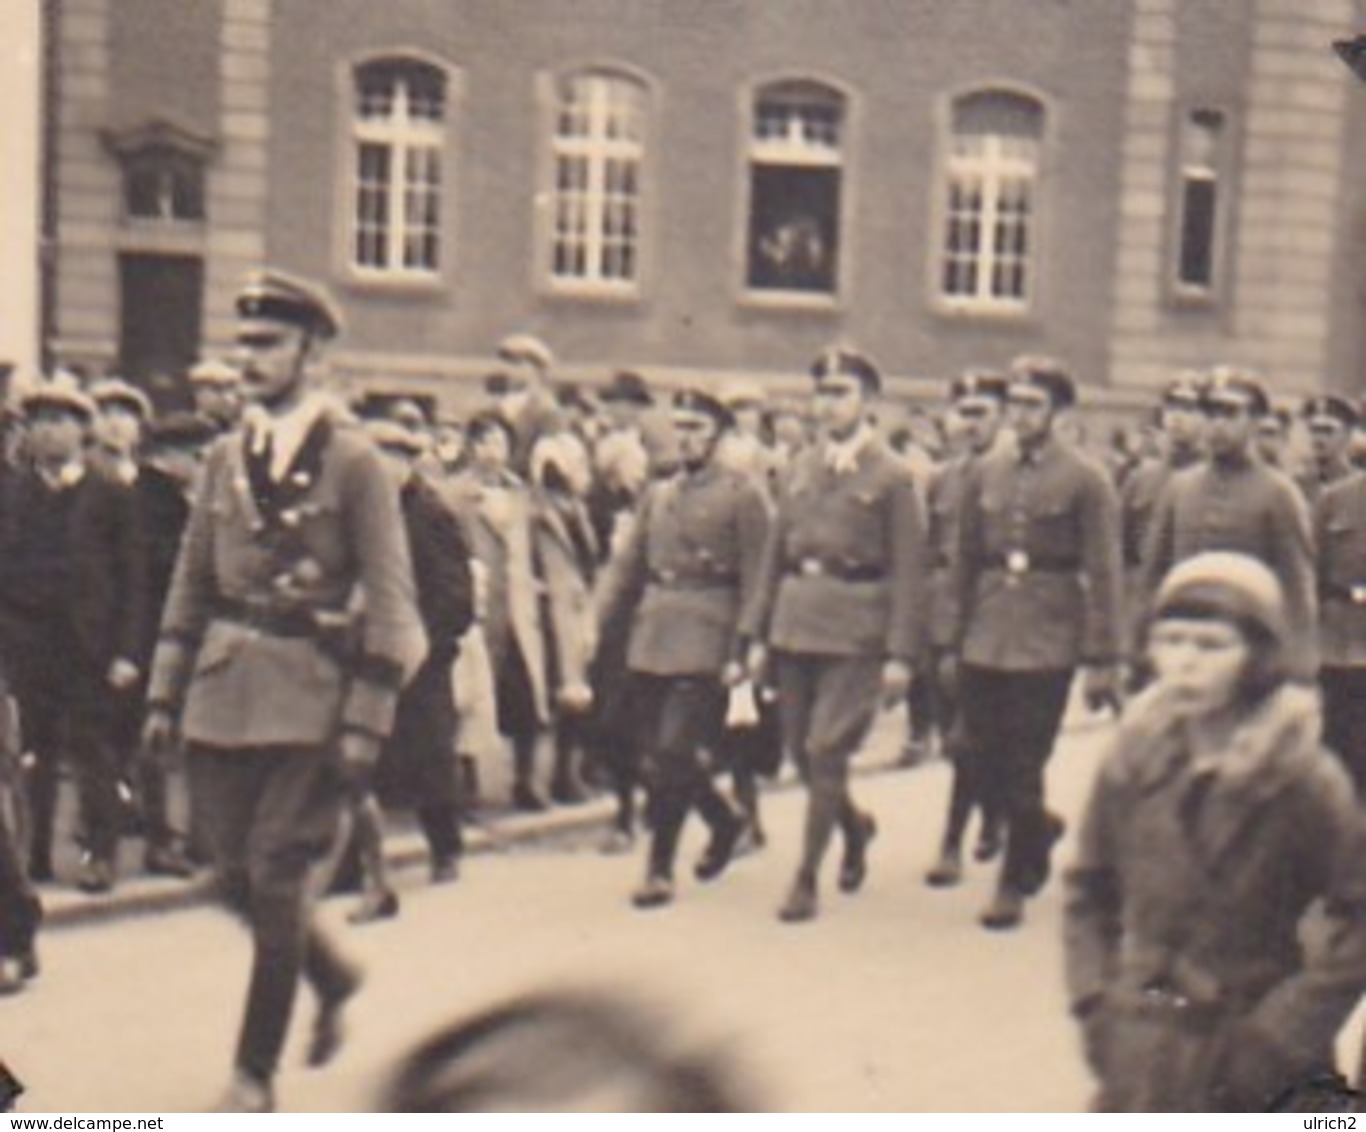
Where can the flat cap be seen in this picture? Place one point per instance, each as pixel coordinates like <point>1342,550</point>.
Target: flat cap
<point>272,295</point>
<point>1332,406</point>
<point>742,392</point>
<point>214,371</point>
<point>977,383</point>
<point>1048,375</point>
<point>1227,583</point>
<point>1184,391</point>
<point>526,348</point>
<point>1229,386</point>
<point>62,391</point>
<point>693,400</point>
<point>626,387</point>
<point>116,391</point>
<point>846,361</point>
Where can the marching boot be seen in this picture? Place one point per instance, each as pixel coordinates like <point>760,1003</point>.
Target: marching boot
<point>948,870</point>
<point>989,839</point>
<point>859,831</point>
<point>524,795</point>
<point>801,904</point>
<point>1006,910</point>
<point>725,834</point>
<point>247,1093</point>
<point>656,892</point>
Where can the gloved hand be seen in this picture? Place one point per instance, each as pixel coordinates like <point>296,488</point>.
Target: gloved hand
<point>357,754</point>
<point>159,740</point>
<point>896,682</point>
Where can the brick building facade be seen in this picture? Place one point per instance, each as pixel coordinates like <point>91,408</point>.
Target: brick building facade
<point>717,186</point>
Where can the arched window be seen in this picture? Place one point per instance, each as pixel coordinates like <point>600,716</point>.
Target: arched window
<point>398,131</point>
<point>795,172</point>
<point>597,147</point>
<point>991,190</point>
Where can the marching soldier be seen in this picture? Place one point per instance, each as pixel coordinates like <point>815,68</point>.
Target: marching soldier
<point>978,402</point>
<point>1329,420</point>
<point>281,694</point>
<point>1235,501</point>
<point>1340,536</point>
<point>842,609</point>
<point>1039,592</point>
<point>689,570</point>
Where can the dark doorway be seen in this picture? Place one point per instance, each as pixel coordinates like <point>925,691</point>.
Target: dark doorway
<point>161,299</point>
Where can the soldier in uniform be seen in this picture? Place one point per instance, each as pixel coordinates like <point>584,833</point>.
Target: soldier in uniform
<point>282,694</point>
<point>1329,420</point>
<point>689,571</point>
<point>1340,536</point>
<point>978,399</point>
<point>1038,587</point>
<point>1272,436</point>
<point>842,609</point>
<point>1234,501</point>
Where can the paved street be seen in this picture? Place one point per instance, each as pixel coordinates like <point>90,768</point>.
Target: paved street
<point>894,1000</point>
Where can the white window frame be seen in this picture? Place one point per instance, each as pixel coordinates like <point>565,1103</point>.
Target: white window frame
<point>795,151</point>
<point>999,159</point>
<point>597,150</point>
<point>404,135</point>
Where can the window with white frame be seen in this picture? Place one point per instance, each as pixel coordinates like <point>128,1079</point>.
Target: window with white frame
<point>990,227</point>
<point>598,139</point>
<point>398,137</point>
<point>795,173</point>
<point>1200,203</point>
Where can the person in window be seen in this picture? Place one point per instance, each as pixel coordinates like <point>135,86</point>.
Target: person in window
<point>1216,821</point>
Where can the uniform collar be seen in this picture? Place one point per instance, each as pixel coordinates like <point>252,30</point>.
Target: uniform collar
<point>1037,455</point>
<point>842,456</point>
<point>284,433</point>
<point>67,476</point>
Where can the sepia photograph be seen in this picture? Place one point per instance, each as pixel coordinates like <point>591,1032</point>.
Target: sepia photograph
<point>679,556</point>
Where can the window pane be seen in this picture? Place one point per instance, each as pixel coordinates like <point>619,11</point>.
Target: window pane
<point>1199,202</point>
<point>794,228</point>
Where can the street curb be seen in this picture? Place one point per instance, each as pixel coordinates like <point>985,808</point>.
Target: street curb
<point>406,849</point>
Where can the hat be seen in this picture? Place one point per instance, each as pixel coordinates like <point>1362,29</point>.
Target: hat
<point>570,396</point>
<point>977,383</point>
<point>116,391</point>
<point>214,371</point>
<point>526,347</point>
<point>843,360</point>
<point>181,430</point>
<point>1048,375</point>
<point>1229,386</point>
<point>275,296</point>
<point>626,388</point>
<point>700,401</point>
<point>390,434</point>
<point>408,413</point>
<point>1332,406</point>
<point>62,391</point>
<point>1227,583</point>
<point>1184,391</point>
<point>743,392</point>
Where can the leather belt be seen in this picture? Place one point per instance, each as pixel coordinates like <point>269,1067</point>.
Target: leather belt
<point>266,617</point>
<point>1354,594</point>
<point>677,580</point>
<point>843,571</point>
<point>1020,562</point>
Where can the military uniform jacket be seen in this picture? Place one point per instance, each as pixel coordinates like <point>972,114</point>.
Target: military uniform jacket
<point>235,655</point>
<point>944,502</point>
<point>1138,500</point>
<point>1038,568</point>
<point>1250,509</point>
<point>1340,535</point>
<point>1317,478</point>
<point>690,571</point>
<point>845,572</point>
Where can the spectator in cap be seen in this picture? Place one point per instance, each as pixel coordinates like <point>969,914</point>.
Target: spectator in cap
<point>1038,583</point>
<point>841,608</point>
<point>523,395</point>
<point>122,413</point>
<point>73,621</point>
<point>1214,827</point>
<point>216,387</point>
<point>1234,501</point>
<point>745,448</point>
<point>977,403</point>
<point>417,768</point>
<point>683,582</point>
<point>1329,419</point>
<point>1272,437</point>
<point>496,506</point>
<point>282,694</point>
